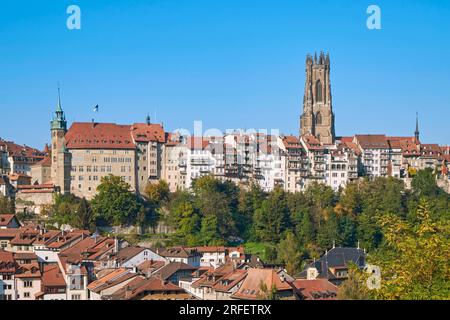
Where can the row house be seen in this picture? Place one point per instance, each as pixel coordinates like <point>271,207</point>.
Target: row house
<point>20,276</point>
<point>240,282</point>
<point>374,154</point>
<point>316,158</point>
<point>109,282</point>
<point>189,256</point>
<point>7,271</point>
<point>18,159</point>
<point>129,257</point>
<point>295,164</point>
<point>153,288</point>
<point>175,164</point>
<point>216,256</point>
<point>216,283</point>
<point>149,140</point>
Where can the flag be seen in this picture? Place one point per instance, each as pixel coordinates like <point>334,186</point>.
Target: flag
<point>96,108</point>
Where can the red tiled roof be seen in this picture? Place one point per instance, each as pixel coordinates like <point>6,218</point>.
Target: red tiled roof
<point>291,142</point>
<point>111,279</point>
<point>142,286</point>
<point>149,266</point>
<point>208,249</point>
<point>318,289</point>
<point>372,141</point>
<point>17,176</point>
<point>228,281</point>
<point>30,270</point>
<point>7,264</point>
<point>25,256</point>
<point>312,142</point>
<point>15,150</point>
<point>85,135</point>
<point>143,132</point>
<point>46,162</point>
<point>127,253</point>
<point>9,233</point>
<point>170,269</point>
<point>251,287</point>
<point>195,143</point>
<point>6,219</point>
<point>52,276</point>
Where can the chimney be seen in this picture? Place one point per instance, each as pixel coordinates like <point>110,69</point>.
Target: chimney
<point>116,245</point>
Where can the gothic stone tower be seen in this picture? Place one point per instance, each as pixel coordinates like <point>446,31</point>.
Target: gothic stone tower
<point>318,117</point>
<point>61,158</point>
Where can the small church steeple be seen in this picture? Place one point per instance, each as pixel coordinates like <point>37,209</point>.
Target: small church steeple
<point>417,132</point>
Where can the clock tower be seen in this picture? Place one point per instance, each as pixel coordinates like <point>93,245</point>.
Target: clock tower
<point>61,158</point>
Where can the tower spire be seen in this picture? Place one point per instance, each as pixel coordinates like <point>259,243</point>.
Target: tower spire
<point>58,107</point>
<point>417,132</point>
<point>59,120</point>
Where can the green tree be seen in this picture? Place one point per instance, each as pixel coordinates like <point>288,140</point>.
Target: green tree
<point>347,231</point>
<point>84,217</point>
<point>64,209</point>
<point>115,203</point>
<point>188,225</point>
<point>424,183</point>
<point>208,231</point>
<point>272,219</point>
<point>414,260</point>
<point>290,253</point>
<point>6,205</point>
<point>369,231</point>
<point>320,198</point>
<point>328,234</point>
<point>157,193</point>
<point>305,229</point>
<point>248,202</point>
<point>215,198</point>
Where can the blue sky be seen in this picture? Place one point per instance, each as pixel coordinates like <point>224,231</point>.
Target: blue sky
<point>231,64</point>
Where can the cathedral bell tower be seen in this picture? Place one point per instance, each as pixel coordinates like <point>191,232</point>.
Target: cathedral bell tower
<point>61,158</point>
<point>318,117</point>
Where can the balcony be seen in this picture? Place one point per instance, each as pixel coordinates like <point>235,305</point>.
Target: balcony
<point>200,162</point>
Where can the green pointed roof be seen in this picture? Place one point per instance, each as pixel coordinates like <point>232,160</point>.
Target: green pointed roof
<point>59,120</point>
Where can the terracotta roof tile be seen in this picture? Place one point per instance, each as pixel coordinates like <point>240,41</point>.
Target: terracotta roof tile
<point>85,135</point>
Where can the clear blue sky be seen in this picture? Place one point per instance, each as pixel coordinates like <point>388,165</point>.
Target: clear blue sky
<point>232,64</point>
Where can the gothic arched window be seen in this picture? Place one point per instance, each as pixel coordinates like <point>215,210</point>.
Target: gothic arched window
<point>318,118</point>
<point>319,91</point>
